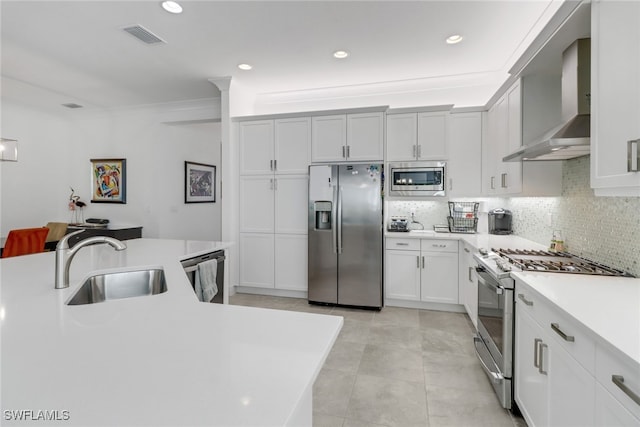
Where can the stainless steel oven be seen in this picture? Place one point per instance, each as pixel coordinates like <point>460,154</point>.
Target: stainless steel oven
<point>494,341</point>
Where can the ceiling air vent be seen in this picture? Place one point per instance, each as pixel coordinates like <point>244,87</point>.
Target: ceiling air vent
<point>142,34</point>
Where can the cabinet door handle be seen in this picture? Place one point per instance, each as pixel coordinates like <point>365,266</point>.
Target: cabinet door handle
<point>564,336</point>
<point>633,155</point>
<point>415,151</point>
<point>493,182</point>
<point>271,184</point>
<point>419,151</point>
<point>344,152</point>
<point>470,270</point>
<point>275,165</point>
<point>619,381</point>
<point>438,246</point>
<point>467,250</point>
<point>541,358</point>
<point>348,151</point>
<point>536,354</point>
<point>525,300</point>
<point>503,179</point>
<point>275,184</point>
<point>423,263</point>
<point>418,261</point>
<point>271,165</point>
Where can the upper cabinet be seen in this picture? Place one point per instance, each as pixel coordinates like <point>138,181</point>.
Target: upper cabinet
<point>465,151</point>
<point>504,134</point>
<point>278,146</point>
<point>348,137</point>
<point>527,109</point>
<point>615,98</point>
<point>417,136</point>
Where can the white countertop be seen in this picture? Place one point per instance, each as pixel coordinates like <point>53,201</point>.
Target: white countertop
<point>165,359</point>
<point>608,306</point>
<point>477,240</point>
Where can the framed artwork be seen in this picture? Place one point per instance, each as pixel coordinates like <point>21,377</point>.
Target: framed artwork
<point>108,181</point>
<point>200,183</point>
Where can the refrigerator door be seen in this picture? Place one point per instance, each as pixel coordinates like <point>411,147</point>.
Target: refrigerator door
<point>323,257</point>
<point>360,227</point>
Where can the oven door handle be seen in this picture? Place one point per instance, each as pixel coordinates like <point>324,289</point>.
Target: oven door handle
<point>496,377</point>
<point>498,289</point>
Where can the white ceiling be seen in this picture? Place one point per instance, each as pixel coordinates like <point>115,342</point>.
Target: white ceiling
<point>78,49</point>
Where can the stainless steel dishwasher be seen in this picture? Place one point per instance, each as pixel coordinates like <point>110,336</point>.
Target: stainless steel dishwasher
<point>190,266</point>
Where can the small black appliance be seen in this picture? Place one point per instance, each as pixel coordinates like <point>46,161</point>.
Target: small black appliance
<point>500,221</point>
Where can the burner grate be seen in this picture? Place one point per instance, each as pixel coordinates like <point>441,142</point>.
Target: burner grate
<point>556,262</point>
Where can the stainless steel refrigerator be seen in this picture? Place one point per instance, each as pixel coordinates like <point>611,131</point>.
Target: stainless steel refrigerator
<point>345,234</point>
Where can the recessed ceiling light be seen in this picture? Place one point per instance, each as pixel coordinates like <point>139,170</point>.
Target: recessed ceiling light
<point>171,7</point>
<point>340,54</point>
<point>455,38</point>
<point>245,67</point>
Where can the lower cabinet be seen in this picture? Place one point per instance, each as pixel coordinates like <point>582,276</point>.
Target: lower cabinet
<point>422,270</point>
<point>467,284</point>
<point>275,261</point>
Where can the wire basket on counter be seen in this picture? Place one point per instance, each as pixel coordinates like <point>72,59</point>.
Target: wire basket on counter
<point>463,217</point>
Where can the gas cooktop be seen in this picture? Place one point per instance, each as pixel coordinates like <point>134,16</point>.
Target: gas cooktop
<point>555,262</point>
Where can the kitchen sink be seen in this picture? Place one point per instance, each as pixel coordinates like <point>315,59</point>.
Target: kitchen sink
<point>118,285</point>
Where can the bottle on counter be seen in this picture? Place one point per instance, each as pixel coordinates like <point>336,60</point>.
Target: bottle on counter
<point>557,242</point>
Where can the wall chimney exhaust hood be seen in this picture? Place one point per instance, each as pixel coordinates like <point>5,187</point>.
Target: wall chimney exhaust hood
<point>573,137</point>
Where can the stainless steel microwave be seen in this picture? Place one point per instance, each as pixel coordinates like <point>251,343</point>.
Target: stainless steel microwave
<point>417,179</point>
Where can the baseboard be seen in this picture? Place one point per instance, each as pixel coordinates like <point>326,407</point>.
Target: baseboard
<point>270,292</point>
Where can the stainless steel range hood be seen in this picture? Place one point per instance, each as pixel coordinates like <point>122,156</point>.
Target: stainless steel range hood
<point>572,138</point>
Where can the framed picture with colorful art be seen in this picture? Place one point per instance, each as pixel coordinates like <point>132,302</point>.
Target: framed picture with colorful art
<point>108,181</point>
<point>200,183</point>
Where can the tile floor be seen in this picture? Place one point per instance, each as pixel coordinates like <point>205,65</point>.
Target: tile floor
<point>398,367</point>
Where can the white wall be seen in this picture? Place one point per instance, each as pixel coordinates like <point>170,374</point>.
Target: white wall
<point>55,150</point>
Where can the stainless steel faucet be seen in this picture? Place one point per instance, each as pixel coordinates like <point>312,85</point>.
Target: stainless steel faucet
<point>64,254</point>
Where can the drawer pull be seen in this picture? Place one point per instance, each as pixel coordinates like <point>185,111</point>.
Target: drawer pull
<point>564,336</point>
<point>525,300</point>
<point>619,381</point>
<point>633,156</point>
<point>402,244</point>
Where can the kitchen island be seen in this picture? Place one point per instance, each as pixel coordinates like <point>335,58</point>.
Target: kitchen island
<point>165,359</point>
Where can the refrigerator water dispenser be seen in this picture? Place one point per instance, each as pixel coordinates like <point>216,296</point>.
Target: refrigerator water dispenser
<point>322,212</point>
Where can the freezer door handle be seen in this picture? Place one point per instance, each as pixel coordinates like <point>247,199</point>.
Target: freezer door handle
<point>339,220</point>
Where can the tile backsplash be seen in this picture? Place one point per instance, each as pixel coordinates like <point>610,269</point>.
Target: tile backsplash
<point>602,229</point>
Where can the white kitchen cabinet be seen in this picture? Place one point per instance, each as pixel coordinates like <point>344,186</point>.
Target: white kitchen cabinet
<point>273,261</point>
<point>467,284</point>
<point>504,135</point>
<point>615,95</point>
<point>402,274</point>
<point>417,136</point>
<point>554,382</point>
<point>610,412</point>
<point>421,270</point>
<point>432,135</point>
<point>464,172</point>
<point>274,204</point>
<point>278,146</point>
<point>328,138</point>
<point>257,260</point>
<point>439,277</point>
<point>292,142</point>
<point>290,272</point>
<point>348,137</point>
<point>273,231</point>
<point>256,147</point>
<point>620,377</point>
